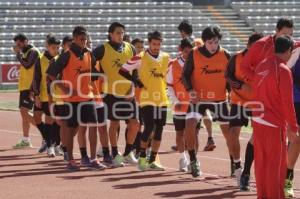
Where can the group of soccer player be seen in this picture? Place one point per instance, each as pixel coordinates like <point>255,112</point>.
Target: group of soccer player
<point>80,88</point>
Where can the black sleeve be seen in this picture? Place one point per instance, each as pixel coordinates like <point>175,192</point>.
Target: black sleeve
<point>58,66</point>
<point>133,49</point>
<point>37,77</point>
<point>29,60</point>
<point>133,78</point>
<point>99,52</point>
<point>187,72</point>
<point>230,74</point>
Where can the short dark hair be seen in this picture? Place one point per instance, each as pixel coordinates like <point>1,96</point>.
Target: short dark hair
<point>113,27</point>
<point>67,39</point>
<point>137,40</point>
<point>185,26</point>
<point>20,37</point>
<point>211,32</point>
<point>51,39</point>
<point>155,35</point>
<point>283,43</point>
<point>126,37</point>
<point>254,37</point>
<point>186,42</point>
<point>284,23</point>
<point>79,30</point>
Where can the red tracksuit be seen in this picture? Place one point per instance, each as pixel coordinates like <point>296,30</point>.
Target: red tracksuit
<point>273,87</point>
<point>259,51</point>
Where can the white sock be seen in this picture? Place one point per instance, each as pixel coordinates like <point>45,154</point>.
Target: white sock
<point>26,139</point>
<point>183,155</point>
<point>236,161</point>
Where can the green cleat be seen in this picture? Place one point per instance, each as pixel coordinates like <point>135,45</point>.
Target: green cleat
<point>154,166</point>
<point>143,165</point>
<point>288,189</point>
<point>118,161</point>
<point>23,144</point>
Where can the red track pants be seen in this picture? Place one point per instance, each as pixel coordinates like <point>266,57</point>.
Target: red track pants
<point>270,159</point>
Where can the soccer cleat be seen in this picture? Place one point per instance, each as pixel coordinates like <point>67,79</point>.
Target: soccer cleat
<point>210,146</point>
<point>238,173</point>
<point>245,182</point>
<point>108,160</point>
<point>96,165</point>
<point>288,189</point>
<point>58,151</point>
<point>43,147</point>
<point>85,161</point>
<point>183,165</point>
<point>154,166</point>
<point>72,166</point>
<point>195,169</point>
<point>142,165</point>
<point>130,159</point>
<point>118,161</point>
<point>51,152</point>
<point>23,144</point>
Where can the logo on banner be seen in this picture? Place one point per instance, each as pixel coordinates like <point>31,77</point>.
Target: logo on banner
<point>13,74</point>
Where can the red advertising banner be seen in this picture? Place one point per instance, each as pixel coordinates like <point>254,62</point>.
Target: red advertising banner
<point>10,73</point>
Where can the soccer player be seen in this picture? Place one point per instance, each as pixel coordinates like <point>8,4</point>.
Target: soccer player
<point>116,89</point>
<point>75,67</point>
<point>152,66</point>
<point>186,31</point>
<point>26,54</point>
<point>261,50</point>
<point>48,129</point>
<point>204,79</point>
<point>179,98</point>
<point>294,147</point>
<point>240,112</point>
<point>273,119</point>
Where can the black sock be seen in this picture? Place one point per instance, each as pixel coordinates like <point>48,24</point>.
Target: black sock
<point>210,138</point>
<point>152,157</point>
<point>64,149</point>
<point>249,157</point>
<point>143,153</point>
<point>128,149</point>
<point>41,128</point>
<point>105,151</point>
<point>237,165</point>
<point>137,141</point>
<point>83,152</point>
<point>290,174</point>
<point>192,155</point>
<point>114,151</point>
<point>56,134</point>
<point>48,132</point>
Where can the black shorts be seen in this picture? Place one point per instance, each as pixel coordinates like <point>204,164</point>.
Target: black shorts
<point>155,114</point>
<point>119,108</point>
<point>44,108</point>
<point>218,110</point>
<point>239,116</point>
<point>83,113</point>
<point>24,99</point>
<point>179,122</point>
<point>61,111</point>
<point>297,110</point>
<point>101,115</point>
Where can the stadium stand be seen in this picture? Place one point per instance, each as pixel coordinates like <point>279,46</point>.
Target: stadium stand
<point>37,19</point>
